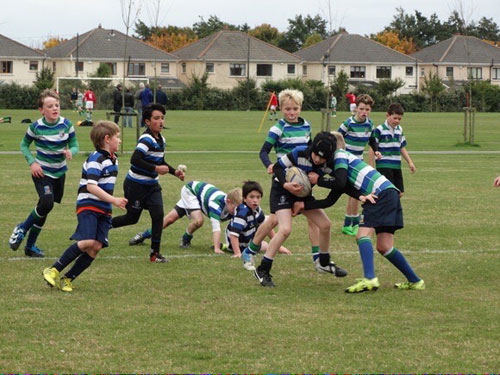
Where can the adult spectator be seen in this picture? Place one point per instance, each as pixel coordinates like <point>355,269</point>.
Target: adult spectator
<point>161,97</point>
<point>117,102</point>
<point>129,108</point>
<point>138,102</point>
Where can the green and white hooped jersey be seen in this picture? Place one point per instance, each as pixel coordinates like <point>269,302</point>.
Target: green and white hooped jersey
<point>360,175</point>
<point>284,136</point>
<point>212,202</point>
<point>50,141</point>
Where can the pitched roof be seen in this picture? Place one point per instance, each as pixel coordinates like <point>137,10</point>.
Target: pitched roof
<point>229,45</point>
<point>108,44</point>
<point>460,49</point>
<point>352,48</point>
<point>11,48</point>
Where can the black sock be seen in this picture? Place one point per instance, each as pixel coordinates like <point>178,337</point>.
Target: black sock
<point>68,256</point>
<point>82,263</point>
<point>324,259</point>
<point>266,264</point>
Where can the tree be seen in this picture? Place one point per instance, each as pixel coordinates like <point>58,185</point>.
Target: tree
<point>170,42</point>
<point>213,24</point>
<point>52,42</point>
<point>340,86</point>
<point>387,87</point>
<point>433,87</point>
<point>300,28</point>
<point>487,29</point>
<point>44,79</point>
<point>312,39</point>
<point>267,33</point>
<point>391,39</point>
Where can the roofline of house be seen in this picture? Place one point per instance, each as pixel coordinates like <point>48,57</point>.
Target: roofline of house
<point>22,45</point>
<point>241,60</point>
<point>120,60</point>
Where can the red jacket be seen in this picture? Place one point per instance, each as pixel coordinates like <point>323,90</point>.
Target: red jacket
<point>274,99</point>
<point>89,96</point>
<point>351,98</point>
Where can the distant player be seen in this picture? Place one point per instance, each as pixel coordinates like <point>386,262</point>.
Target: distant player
<point>247,218</point>
<point>141,186</point>
<point>197,199</point>
<point>391,144</point>
<point>333,105</point>
<point>357,131</point>
<point>55,142</point>
<point>282,198</point>
<point>352,102</point>
<point>273,115</point>
<point>93,207</point>
<point>90,103</point>
<point>382,213</point>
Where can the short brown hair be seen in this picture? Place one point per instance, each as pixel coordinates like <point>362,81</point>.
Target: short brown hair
<point>100,130</point>
<point>365,99</point>
<point>249,186</point>
<point>395,108</point>
<point>45,94</point>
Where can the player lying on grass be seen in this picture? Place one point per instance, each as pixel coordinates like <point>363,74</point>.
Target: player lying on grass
<point>382,213</point>
<point>198,199</point>
<point>283,195</point>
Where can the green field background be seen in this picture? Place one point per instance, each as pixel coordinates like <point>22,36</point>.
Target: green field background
<point>205,313</point>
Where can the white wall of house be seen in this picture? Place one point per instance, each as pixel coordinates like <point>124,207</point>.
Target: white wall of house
<point>220,76</point>
<point>460,72</point>
<point>20,71</point>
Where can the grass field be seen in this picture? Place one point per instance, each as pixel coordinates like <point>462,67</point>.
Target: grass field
<point>205,313</point>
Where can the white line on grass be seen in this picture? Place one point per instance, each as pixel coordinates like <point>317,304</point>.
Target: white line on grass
<point>333,253</point>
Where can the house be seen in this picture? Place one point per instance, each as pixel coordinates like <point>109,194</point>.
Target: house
<point>364,61</point>
<point>230,56</point>
<point>18,63</point>
<point>83,54</point>
<point>459,58</point>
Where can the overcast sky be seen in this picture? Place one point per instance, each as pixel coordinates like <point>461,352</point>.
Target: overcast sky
<point>32,21</point>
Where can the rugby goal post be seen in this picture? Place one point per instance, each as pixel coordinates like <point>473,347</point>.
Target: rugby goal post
<point>115,79</point>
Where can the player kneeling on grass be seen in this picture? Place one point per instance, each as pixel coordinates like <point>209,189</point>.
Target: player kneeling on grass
<point>285,194</point>
<point>198,199</point>
<point>93,207</point>
<point>247,218</point>
<point>382,214</point>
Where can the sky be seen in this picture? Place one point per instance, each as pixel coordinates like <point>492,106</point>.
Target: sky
<point>32,21</point>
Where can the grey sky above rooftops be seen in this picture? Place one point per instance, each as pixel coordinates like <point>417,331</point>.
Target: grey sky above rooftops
<point>32,21</point>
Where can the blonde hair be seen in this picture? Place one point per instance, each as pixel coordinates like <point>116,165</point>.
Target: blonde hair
<point>100,130</point>
<point>340,140</point>
<point>46,94</point>
<point>235,196</point>
<point>289,94</point>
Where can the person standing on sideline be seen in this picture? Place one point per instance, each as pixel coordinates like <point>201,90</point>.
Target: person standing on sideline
<point>161,97</point>
<point>272,108</point>
<point>117,102</point>
<point>129,108</point>
<point>138,102</point>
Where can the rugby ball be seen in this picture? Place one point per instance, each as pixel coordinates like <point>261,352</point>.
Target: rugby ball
<point>182,168</point>
<point>297,175</point>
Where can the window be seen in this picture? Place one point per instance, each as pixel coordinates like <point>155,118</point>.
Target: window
<point>495,73</point>
<point>112,68</point>
<point>409,71</point>
<point>165,67</point>
<point>5,66</point>
<point>54,65</point>
<point>210,68</point>
<point>358,71</point>
<point>331,70</point>
<point>136,69</point>
<point>183,65</point>
<point>34,65</point>
<point>79,66</point>
<point>384,72</point>
<point>475,73</point>
<point>449,71</point>
<point>237,69</point>
<point>304,70</point>
<point>422,72</point>
<point>290,69</point>
<point>264,70</point>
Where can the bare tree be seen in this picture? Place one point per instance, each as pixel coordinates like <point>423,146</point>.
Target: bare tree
<point>130,13</point>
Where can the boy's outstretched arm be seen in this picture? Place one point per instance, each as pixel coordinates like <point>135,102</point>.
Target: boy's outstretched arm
<point>106,197</point>
<point>235,244</point>
<point>406,156</point>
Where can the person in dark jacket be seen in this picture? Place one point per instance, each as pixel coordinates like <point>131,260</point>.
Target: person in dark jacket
<point>161,97</point>
<point>117,102</point>
<point>129,108</point>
